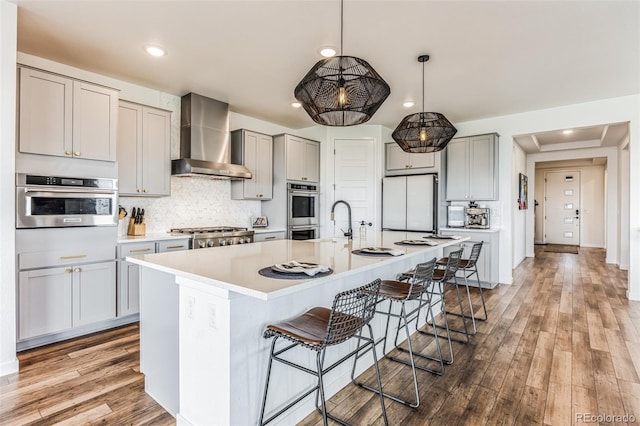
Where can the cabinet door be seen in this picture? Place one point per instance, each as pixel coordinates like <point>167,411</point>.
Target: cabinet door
<point>426,160</point>
<point>457,170</point>
<point>311,163</point>
<point>294,152</point>
<point>94,293</point>
<point>129,153</point>
<point>481,167</point>
<point>44,302</point>
<point>420,203</point>
<point>95,110</point>
<point>173,245</point>
<point>156,158</point>
<point>395,157</point>
<point>46,108</point>
<point>251,187</point>
<point>128,288</point>
<point>264,166</point>
<point>394,196</point>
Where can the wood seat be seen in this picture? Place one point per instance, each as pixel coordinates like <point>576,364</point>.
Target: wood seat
<point>393,289</point>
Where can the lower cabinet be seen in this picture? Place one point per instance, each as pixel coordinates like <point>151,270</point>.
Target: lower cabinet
<point>268,236</point>
<point>52,300</point>
<point>487,262</point>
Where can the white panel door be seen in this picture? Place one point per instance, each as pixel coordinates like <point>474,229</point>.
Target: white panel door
<point>394,202</point>
<point>420,203</point>
<point>562,208</point>
<point>354,182</point>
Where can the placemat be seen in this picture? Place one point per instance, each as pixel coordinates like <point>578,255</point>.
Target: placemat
<point>270,273</point>
<point>362,253</point>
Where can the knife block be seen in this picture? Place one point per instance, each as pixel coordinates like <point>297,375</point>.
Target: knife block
<point>136,228</point>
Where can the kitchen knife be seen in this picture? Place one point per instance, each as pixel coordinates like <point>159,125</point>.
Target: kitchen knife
<point>142,216</point>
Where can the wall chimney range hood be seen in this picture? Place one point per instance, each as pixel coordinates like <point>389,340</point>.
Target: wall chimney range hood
<point>205,140</point>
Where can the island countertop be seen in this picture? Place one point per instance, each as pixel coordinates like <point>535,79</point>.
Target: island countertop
<point>235,268</point>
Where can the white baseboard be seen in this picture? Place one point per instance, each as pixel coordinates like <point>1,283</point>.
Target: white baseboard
<point>623,267</point>
<point>9,367</point>
<point>181,421</point>
<point>633,296</point>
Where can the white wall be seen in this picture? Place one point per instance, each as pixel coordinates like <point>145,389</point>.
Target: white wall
<point>614,110</point>
<point>592,203</point>
<point>519,216</point>
<point>623,207</point>
<point>8,32</point>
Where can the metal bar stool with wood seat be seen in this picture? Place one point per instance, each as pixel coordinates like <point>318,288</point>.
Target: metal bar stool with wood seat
<point>316,330</point>
<point>401,292</point>
<point>469,267</point>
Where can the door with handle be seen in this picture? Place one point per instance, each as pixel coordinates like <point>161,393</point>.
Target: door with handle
<point>562,207</point>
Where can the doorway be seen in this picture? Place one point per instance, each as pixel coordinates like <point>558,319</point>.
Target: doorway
<point>562,207</point>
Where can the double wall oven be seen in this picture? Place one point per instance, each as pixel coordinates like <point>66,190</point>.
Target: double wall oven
<point>302,211</point>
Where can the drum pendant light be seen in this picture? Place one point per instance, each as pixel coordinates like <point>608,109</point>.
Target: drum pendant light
<point>342,90</point>
<point>423,131</point>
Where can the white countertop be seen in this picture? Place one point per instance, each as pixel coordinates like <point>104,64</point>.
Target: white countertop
<point>235,268</point>
<point>463,230</point>
<point>159,236</point>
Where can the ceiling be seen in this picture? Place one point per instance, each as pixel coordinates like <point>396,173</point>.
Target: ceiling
<point>601,136</point>
<point>487,58</point>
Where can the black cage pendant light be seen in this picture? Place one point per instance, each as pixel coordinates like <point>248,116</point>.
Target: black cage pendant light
<point>342,90</point>
<point>423,131</point>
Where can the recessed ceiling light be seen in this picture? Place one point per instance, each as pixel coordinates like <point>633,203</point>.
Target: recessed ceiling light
<point>408,104</point>
<point>296,104</point>
<point>328,52</point>
<point>567,132</point>
<point>156,51</point>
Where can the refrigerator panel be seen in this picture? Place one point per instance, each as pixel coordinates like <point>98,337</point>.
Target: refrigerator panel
<point>394,196</point>
<point>420,202</point>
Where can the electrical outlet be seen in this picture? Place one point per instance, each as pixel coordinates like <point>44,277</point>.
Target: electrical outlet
<point>212,317</point>
<point>190,305</point>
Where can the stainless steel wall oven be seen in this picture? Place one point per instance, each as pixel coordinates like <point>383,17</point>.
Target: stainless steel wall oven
<point>302,204</point>
<point>52,201</point>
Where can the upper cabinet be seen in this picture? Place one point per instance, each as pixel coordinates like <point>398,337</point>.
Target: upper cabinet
<point>254,151</point>
<point>144,159</point>
<point>65,117</point>
<point>398,162</point>
<point>472,168</point>
<point>302,158</point>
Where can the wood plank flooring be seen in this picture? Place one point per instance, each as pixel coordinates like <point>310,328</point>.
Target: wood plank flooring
<point>563,340</point>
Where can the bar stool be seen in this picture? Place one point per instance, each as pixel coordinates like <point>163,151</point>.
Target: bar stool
<point>319,328</point>
<point>469,267</point>
<point>402,292</point>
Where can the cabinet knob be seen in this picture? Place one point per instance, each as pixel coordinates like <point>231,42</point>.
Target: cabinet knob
<point>68,270</point>
<point>138,190</point>
<point>77,270</point>
<point>67,153</point>
<point>77,153</point>
<point>406,166</point>
<point>144,190</point>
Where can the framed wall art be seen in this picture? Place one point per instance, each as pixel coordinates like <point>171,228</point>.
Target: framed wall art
<point>522,192</point>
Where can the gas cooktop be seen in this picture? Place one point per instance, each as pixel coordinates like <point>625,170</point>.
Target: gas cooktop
<point>215,236</point>
<point>207,230</point>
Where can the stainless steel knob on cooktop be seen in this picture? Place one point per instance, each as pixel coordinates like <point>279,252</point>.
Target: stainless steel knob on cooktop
<point>240,241</point>
<point>202,244</point>
<point>223,242</point>
<point>247,240</point>
<point>230,241</point>
<point>211,243</point>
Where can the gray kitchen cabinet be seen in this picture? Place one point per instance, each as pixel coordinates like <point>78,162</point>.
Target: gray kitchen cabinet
<point>398,162</point>
<point>489,255</point>
<point>268,236</point>
<point>471,172</point>
<point>144,159</point>
<point>128,273</point>
<point>64,117</point>
<point>52,300</point>
<point>255,151</point>
<point>301,157</point>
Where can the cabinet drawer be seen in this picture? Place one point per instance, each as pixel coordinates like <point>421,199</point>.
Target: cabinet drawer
<point>136,249</point>
<point>173,245</point>
<point>268,236</point>
<point>68,256</point>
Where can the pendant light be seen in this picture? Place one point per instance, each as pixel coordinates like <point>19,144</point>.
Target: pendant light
<point>341,90</point>
<point>423,131</point>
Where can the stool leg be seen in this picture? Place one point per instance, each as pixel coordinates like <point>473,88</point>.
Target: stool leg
<point>319,359</point>
<point>462,314</point>
<point>440,286</point>
<point>484,307</point>
<point>266,385</point>
<point>375,364</point>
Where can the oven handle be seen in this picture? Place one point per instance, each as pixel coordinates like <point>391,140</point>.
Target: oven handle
<point>70,192</point>
<point>310,193</point>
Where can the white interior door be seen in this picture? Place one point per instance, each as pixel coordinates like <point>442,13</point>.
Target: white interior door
<point>354,182</point>
<point>562,208</point>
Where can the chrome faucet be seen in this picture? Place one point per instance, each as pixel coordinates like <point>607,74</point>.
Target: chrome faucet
<point>349,233</point>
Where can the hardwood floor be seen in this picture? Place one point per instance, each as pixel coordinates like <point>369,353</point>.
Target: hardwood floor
<point>562,341</point>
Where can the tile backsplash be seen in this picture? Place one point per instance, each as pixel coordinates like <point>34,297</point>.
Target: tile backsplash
<point>194,201</point>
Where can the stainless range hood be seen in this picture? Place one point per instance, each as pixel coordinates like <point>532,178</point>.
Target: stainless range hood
<point>205,140</point>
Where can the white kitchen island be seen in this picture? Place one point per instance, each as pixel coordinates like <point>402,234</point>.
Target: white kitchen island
<point>203,312</point>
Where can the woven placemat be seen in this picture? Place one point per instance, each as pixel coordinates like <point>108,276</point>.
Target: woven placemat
<point>364,253</point>
<point>270,273</point>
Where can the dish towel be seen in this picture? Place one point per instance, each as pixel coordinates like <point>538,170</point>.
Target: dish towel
<point>310,269</point>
